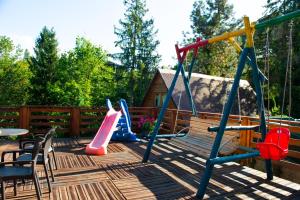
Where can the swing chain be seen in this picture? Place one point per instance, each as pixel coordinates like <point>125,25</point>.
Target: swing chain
<point>288,74</point>
<point>179,101</point>
<point>290,66</point>
<point>267,70</point>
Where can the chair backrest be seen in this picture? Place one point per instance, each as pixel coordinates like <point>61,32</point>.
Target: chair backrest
<point>35,152</point>
<point>48,142</point>
<point>278,136</point>
<point>275,146</point>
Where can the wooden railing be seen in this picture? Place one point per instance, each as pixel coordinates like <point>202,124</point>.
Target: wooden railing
<point>83,121</point>
<point>71,121</point>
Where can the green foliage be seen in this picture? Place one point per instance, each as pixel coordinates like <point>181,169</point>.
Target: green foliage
<point>278,40</point>
<point>210,18</point>
<point>83,77</point>
<point>14,74</point>
<point>79,77</point>
<point>43,67</point>
<point>146,125</point>
<point>136,39</point>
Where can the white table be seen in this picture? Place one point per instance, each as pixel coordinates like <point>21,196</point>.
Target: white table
<point>12,131</point>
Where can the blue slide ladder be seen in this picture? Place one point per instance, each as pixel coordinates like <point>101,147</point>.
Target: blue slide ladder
<point>123,132</point>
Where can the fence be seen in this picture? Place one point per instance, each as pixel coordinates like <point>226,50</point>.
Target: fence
<point>72,121</point>
<point>84,121</point>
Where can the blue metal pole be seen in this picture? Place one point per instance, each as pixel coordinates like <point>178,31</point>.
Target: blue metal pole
<point>191,67</point>
<point>247,149</point>
<point>161,114</point>
<point>225,159</point>
<point>188,90</point>
<point>171,135</point>
<point>234,128</point>
<point>261,108</point>
<point>209,167</point>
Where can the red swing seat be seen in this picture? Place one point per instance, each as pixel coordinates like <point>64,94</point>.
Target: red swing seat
<point>275,146</point>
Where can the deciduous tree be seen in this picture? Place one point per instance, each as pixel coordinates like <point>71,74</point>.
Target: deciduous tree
<point>83,76</point>
<point>14,74</point>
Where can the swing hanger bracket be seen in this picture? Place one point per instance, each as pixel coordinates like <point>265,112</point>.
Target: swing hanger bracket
<point>182,52</point>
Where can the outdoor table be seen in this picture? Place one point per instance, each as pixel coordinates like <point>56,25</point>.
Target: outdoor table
<point>12,131</point>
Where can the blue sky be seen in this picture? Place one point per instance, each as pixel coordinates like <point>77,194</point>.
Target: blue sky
<point>95,20</point>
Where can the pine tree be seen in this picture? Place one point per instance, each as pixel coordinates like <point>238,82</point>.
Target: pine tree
<point>43,66</point>
<point>210,18</point>
<point>136,39</point>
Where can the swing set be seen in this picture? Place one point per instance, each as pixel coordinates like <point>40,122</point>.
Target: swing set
<point>274,144</point>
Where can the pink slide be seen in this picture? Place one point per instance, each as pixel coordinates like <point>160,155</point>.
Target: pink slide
<point>98,146</point>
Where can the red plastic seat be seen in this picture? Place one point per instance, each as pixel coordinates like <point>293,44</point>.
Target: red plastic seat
<point>275,146</point>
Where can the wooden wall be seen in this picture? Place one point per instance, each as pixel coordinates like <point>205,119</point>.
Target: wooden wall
<point>157,87</point>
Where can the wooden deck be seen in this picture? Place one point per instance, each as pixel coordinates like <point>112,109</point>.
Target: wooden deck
<point>173,173</point>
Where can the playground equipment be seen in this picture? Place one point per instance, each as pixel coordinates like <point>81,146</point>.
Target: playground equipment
<point>275,146</point>
<point>123,131</point>
<point>98,146</point>
<point>247,55</point>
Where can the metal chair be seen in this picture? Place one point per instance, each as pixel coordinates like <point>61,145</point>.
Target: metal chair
<point>26,143</point>
<point>43,157</point>
<point>14,170</point>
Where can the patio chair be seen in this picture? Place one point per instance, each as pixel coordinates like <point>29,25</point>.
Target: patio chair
<point>26,143</point>
<point>43,157</point>
<point>14,170</point>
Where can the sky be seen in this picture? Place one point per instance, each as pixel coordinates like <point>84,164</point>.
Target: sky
<point>95,20</point>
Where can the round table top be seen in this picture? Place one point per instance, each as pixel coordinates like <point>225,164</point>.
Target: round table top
<point>12,131</point>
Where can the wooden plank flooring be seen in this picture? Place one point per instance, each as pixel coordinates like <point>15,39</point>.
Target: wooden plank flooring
<point>172,173</point>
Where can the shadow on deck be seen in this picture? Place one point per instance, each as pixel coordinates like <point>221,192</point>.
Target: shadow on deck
<point>172,173</point>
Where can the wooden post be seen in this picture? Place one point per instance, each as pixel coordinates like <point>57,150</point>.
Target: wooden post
<point>24,117</point>
<point>245,138</point>
<point>173,121</point>
<point>244,134</point>
<point>249,133</point>
<point>75,121</point>
<point>154,112</point>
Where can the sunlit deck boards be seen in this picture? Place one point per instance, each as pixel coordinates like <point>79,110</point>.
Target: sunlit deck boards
<point>173,173</point>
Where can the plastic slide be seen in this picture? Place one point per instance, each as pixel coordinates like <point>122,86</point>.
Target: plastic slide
<point>123,131</point>
<point>98,146</point>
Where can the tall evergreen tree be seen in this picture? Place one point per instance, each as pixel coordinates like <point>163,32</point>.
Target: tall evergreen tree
<point>278,51</point>
<point>210,18</point>
<point>43,66</point>
<point>136,39</point>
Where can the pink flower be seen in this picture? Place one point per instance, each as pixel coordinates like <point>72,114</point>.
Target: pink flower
<point>146,123</point>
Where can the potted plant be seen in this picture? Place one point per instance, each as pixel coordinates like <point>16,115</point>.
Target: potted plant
<point>146,125</point>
